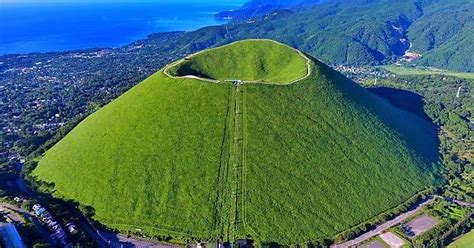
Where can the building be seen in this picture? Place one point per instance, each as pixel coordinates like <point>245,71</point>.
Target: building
<point>244,243</point>
<point>10,237</point>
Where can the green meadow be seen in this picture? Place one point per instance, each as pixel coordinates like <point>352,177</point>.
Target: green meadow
<point>252,60</point>
<point>149,159</point>
<point>464,241</point>
<point>324,154</point>
<point>400,70</point>
<point>186,159</point>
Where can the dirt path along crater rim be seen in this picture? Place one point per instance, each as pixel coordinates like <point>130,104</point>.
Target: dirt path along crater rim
<point>278,65</point>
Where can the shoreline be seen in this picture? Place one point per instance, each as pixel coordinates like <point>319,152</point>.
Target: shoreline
<point>96,30</point>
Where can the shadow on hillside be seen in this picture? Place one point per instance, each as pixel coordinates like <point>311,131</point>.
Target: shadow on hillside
<point>402,99</point>
<point>400,110</point>
<point>186,69</point>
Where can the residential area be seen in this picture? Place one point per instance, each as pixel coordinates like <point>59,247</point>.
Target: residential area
<point>22,226</point>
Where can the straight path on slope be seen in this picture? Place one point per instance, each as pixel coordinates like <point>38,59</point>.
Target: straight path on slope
<point>237,159</point>
<point>168,67</point>
<point>235,223</point>
<point>383,227</point>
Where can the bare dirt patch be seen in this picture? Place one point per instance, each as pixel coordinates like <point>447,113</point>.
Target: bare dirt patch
<point>391,239</point>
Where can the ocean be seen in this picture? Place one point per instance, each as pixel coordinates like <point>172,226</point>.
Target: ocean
<point>61,26</point>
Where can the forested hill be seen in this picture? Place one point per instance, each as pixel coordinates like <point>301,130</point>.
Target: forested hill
<point>256,8</point>
<point>360,32</point>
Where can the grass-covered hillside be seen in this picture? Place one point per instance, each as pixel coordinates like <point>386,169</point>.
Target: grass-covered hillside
<point>252,60</point>
<point>324,154</point>
<point>190,159</point>
<point>465,241</point>
<point>150,158</point>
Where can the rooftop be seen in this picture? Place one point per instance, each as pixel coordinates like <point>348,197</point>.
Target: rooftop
<point>10,236</point>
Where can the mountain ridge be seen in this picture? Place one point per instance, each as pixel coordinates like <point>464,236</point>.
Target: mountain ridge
<point>368,32</point>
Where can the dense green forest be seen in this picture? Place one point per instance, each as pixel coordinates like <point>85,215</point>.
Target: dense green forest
<point>371,32</point>
<point>444,35</point>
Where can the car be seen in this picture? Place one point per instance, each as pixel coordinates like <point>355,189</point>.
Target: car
<point>72,229</point>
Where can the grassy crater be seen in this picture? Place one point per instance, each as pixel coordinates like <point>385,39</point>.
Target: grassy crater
<point>249,60</point>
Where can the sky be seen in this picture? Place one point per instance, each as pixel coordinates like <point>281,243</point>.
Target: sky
<point>103,1</point>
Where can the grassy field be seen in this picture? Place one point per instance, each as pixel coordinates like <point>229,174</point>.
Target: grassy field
<point>210,161</point>
<point>466,241</point>
<point>400,70</point>
<point>249,60</point>
<point>150,159</point>
<point>324,154</point>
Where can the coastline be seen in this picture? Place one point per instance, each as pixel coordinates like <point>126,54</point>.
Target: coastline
<point>52,28</point>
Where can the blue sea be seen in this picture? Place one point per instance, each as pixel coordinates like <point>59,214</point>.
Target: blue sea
<point>52,25</point>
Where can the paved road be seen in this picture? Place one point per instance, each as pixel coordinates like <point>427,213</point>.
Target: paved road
<point>121,241</point>
<point>44,233</point>
<point>382,227</point>
<point>458,202</point>
<point>465,204</point>
<point>102,238</point>
<point>83,223</point>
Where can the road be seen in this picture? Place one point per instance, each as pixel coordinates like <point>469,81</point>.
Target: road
<point>102,238</point>
<point>122,241</point>
<point>383,227</point>
<point>465,204</point>
<point>84,223</point>
<point>43,231</point>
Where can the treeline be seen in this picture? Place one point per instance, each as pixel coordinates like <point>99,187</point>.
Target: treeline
<point>462,227</point>
<point>452,115</point>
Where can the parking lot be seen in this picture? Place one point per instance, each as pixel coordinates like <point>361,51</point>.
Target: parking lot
<point>372,244</point>
<point>418,226</point>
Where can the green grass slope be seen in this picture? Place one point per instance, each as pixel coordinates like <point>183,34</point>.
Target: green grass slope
<point>249,60</point>
<point>324,154</point>
<point>465,241</point>
<point>290,163</point>
<point>150,159</point>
